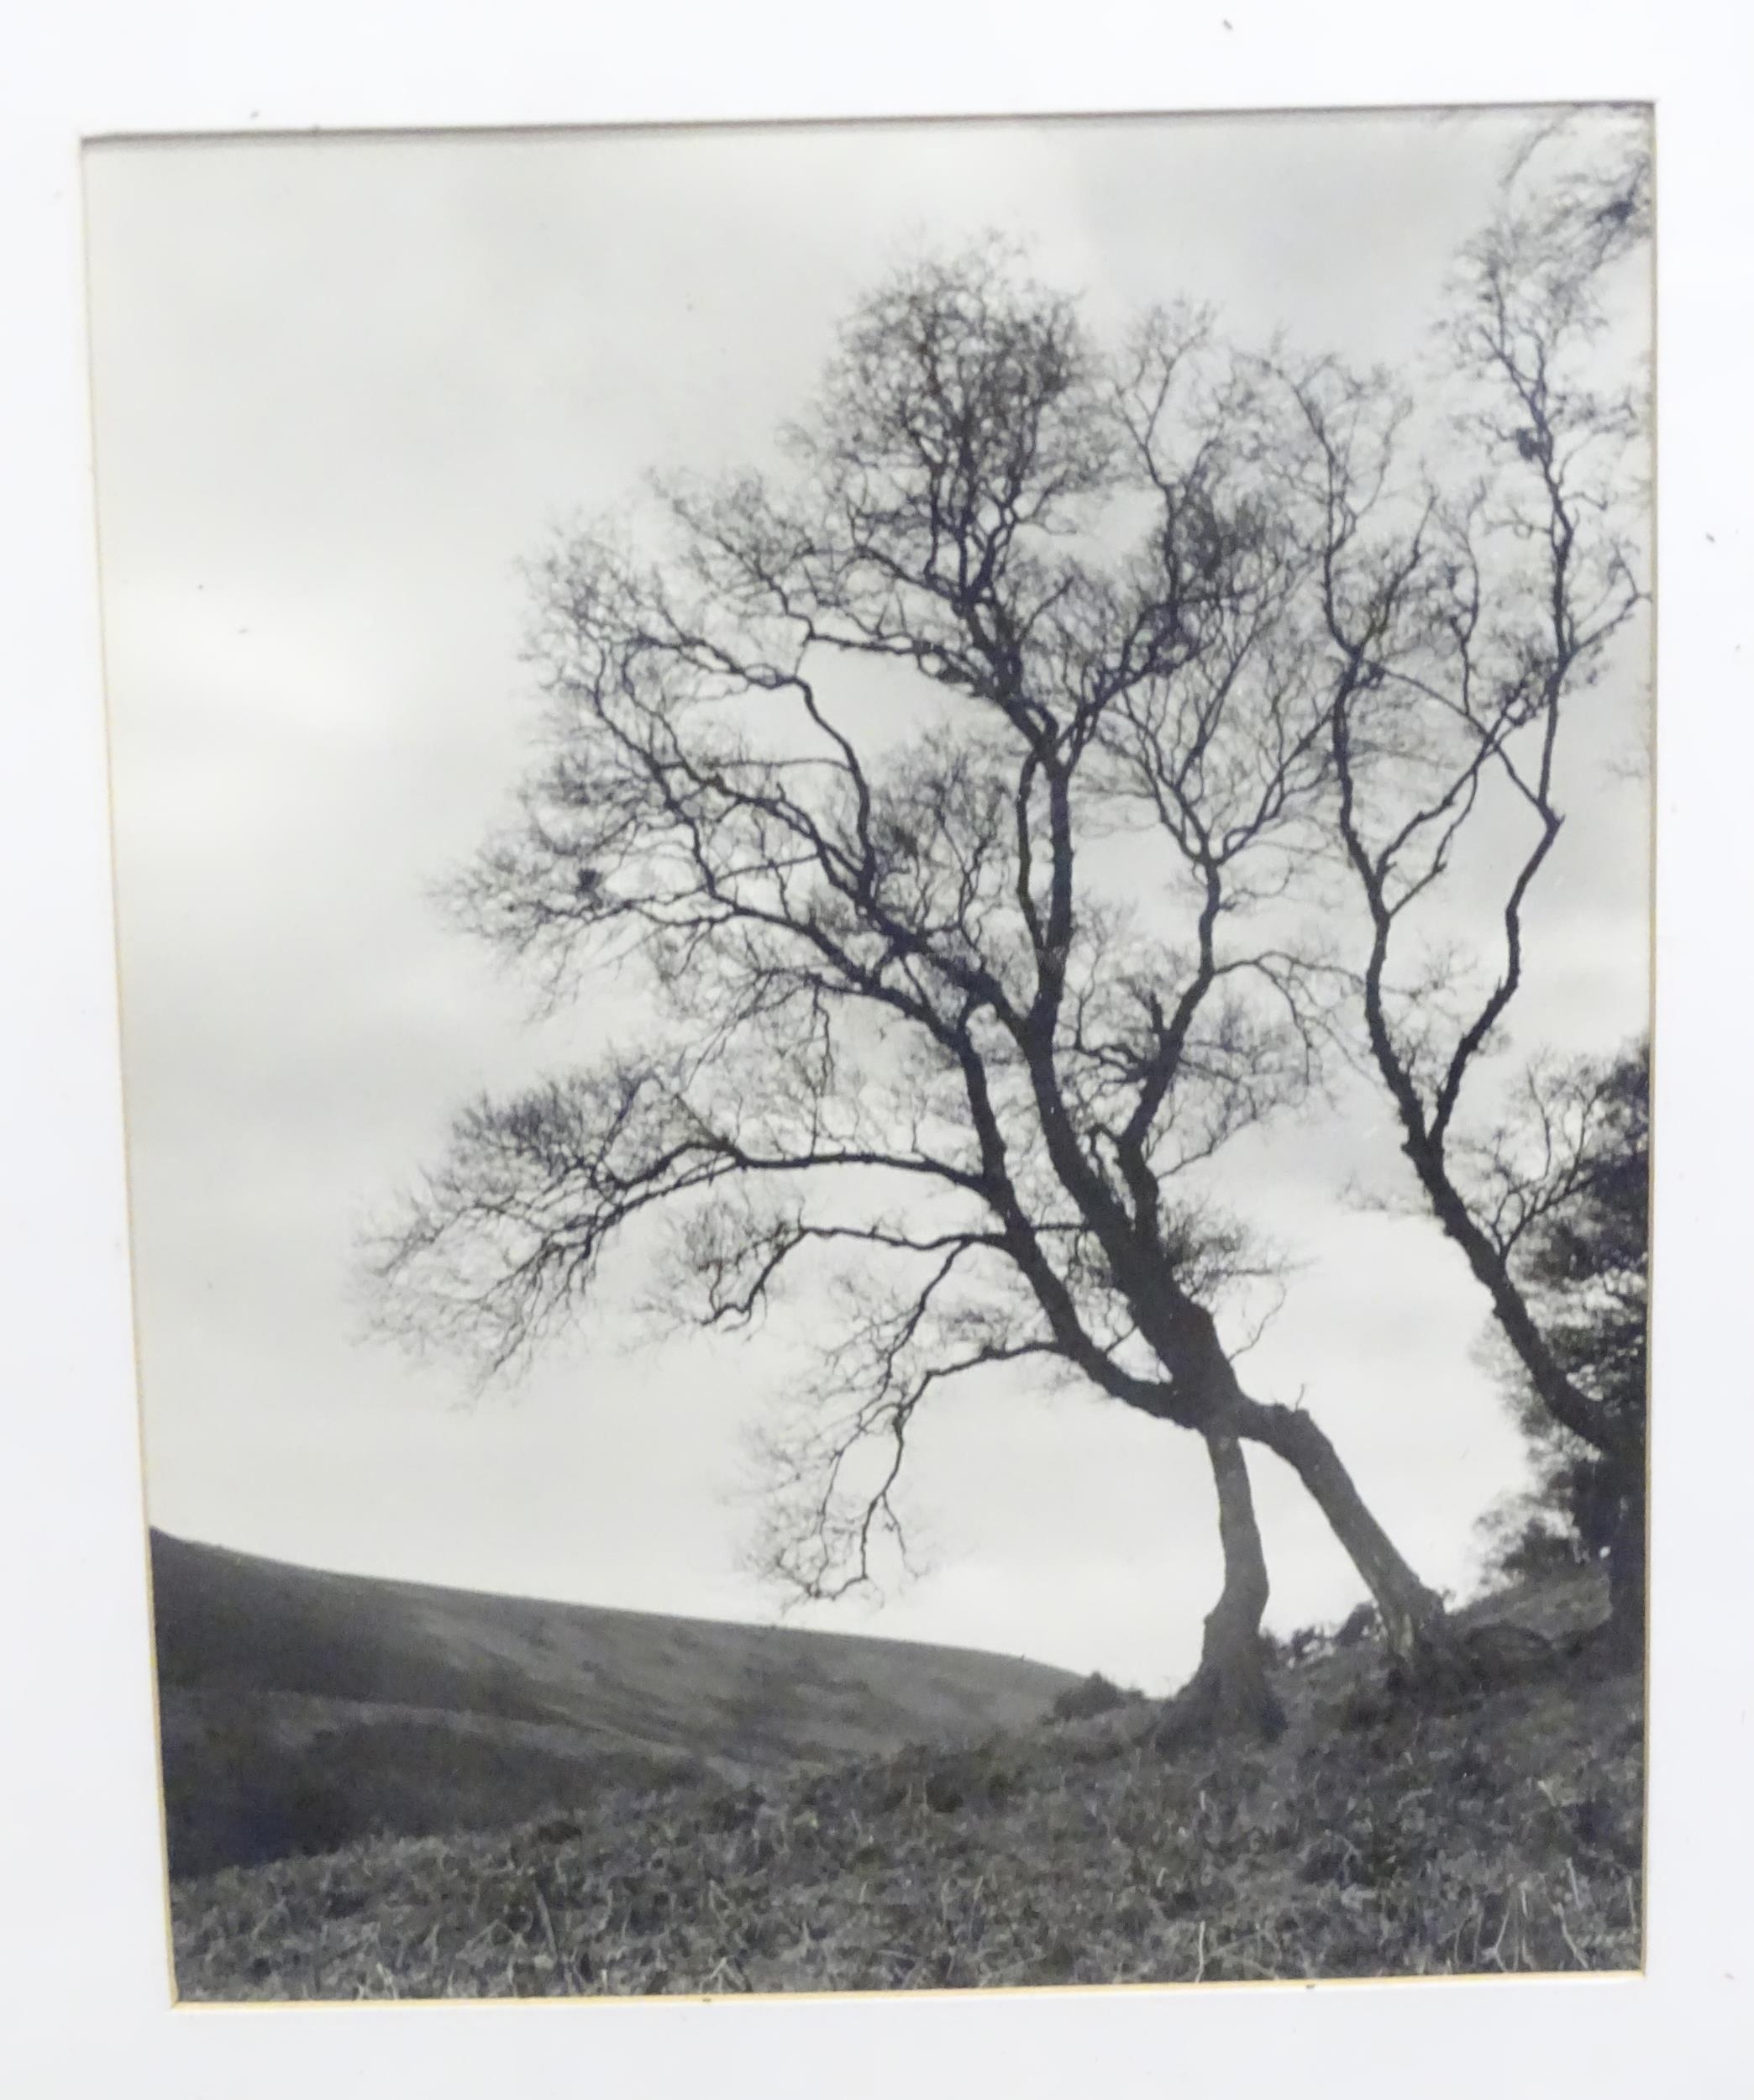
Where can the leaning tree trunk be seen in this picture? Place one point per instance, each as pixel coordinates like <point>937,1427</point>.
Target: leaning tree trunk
<point>1415,1627</point>
<point>1229,1694</point>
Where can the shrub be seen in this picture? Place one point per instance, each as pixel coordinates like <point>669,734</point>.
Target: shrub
<point>1359,1625</point>
<point>1092,1695</point>
<point>1297,1646</point>
<point>1524,1541</point>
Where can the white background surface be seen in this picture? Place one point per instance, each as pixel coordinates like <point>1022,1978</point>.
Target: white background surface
<point>82,1969</point>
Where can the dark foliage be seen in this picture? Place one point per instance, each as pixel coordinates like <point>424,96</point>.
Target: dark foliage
<point>1583,1270</point>
<point>1091,1695</point>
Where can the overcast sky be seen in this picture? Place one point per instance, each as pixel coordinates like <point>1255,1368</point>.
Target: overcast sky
<point>341,388</point>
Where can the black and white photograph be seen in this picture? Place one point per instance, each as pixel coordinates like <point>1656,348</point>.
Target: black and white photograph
<point>884,915</point>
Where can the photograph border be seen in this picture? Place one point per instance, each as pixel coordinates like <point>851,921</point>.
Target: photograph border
<point>85,1954</point>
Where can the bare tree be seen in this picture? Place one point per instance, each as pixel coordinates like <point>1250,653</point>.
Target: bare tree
<point>1465,624</point>
<point>948,797</point>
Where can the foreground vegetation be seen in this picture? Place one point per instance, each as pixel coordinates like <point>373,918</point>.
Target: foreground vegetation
<point>1496,1830</point>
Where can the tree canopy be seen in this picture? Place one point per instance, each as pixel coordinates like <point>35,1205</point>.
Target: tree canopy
<point>970,801</point>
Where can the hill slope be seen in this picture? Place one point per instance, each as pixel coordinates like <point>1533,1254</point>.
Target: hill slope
<point>1497,1831</point>
<point>300,1708</point>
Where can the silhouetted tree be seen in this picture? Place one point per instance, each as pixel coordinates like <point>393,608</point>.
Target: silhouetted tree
<point>866,776</point>
<point>957,798</point>
<point>1467,620</point>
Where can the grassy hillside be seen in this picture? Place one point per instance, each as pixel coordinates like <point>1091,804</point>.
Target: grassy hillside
<point>1498,1830</point>
<point>300,1708</point>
